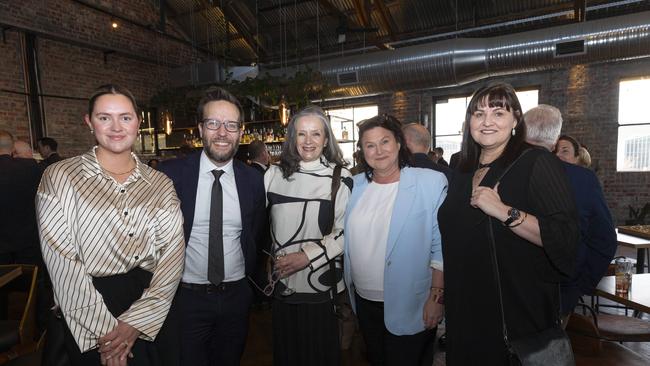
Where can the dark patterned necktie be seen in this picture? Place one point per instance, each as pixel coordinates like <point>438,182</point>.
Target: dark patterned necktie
<point>215,236</point>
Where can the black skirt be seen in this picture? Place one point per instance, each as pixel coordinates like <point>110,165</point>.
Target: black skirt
<point>305,334</point>
<point>119,293</point>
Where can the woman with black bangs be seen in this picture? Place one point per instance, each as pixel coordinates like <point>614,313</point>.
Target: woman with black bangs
<point>534,221</point>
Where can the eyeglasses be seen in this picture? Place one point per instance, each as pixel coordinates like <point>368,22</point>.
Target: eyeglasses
<point>213,124</point>
<point>274,278</point>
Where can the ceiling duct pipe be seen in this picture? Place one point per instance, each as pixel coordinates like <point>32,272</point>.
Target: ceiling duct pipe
<point>463,60</point>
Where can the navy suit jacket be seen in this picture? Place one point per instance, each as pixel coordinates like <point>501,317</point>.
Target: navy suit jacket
<point>597,243</point>
<point>184,172</point>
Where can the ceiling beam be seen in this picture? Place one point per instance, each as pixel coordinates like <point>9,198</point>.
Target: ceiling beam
<point>280,5</point>
<point>386,19</point>
<point>233,15</point>
<point>333,10</point>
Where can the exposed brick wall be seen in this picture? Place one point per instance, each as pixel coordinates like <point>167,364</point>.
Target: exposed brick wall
<point>69,67</point>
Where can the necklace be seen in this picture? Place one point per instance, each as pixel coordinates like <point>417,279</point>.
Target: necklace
<point>126,172</point>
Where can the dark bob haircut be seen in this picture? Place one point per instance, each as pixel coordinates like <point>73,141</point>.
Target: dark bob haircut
<point>393,125</point>
<point>572,141</point>
<point>500,95</point>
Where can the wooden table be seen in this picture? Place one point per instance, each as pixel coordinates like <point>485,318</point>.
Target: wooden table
<point>638,298</point>
<point>8,273</point>
<point>640,244</point>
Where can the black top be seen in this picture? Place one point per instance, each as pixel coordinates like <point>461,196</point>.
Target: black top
<point>19,180</point>
<point>529,274</point>
<point>53,158</point>
<point>420,160</point>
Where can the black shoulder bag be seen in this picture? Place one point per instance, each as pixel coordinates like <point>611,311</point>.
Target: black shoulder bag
<point>548,347</point>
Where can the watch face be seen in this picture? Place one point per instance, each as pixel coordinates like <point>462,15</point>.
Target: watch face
<point>514,213</point>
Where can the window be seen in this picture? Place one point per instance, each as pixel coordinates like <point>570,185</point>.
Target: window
<point>450,114</point>
<point>633,148</point>
<point>348,118</point>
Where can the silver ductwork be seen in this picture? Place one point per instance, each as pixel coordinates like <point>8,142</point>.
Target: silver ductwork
<point>459,61</point>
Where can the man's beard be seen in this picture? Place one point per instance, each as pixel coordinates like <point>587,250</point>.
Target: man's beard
<point>220,157</point>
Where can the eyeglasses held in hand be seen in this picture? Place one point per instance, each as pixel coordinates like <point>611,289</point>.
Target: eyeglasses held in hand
<point>213,124</point>
<point>273,279</point>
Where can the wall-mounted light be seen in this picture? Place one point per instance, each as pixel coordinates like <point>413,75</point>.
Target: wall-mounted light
<point>114,24</point>
<point>284,112</point>
<point>167,119</point>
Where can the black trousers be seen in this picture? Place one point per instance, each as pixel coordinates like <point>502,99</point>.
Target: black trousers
<point>214,322</point>
<point>119,292</point>
<point>385,348</point>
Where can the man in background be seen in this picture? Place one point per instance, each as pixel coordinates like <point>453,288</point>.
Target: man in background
<point>47,147</point>
<point>418,141</point>
<point>23,150</point>
<point>439,154</point>
<point>259,156</point>
<point>597,236</point>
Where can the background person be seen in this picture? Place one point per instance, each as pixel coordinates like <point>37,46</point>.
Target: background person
<point>393,260</point>
<point>534,220</point>
<point>597,245</point>
<point>47,147</point>
<point>307,235</point>
<point>567,149</point>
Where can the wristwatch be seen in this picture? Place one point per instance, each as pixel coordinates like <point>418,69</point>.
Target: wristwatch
<point>513,214</point>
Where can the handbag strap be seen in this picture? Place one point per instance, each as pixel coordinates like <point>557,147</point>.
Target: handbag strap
<point>336,183</point>
<point>493,251</point>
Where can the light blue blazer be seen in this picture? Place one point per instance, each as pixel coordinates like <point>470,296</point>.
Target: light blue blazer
<point>414,245</point>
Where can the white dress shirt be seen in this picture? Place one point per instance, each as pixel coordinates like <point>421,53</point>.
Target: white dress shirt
<point>196,253</point>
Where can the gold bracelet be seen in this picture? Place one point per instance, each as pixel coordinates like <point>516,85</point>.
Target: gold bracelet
<point>520,222</point>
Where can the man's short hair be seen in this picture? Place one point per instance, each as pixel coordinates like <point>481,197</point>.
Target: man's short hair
<point>417,134</point>
<point>49,142</point>
<point>6,141</point>
<point>256,149</point>
<point>215,95</point>
<point>439,151</point>
<point>543,125</point>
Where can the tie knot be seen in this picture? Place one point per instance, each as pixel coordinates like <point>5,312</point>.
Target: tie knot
<point>217,173</point>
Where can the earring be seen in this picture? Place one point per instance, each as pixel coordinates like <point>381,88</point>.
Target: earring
<point>513,132</point>
<point>92,132</point>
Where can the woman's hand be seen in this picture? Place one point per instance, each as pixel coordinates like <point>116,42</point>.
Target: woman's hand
<point>289,264</point>
<point>489,201</point>
<point>432,312</point>
<point>115,346</point>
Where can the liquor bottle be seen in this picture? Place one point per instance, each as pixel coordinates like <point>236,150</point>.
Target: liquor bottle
<point>344,134</point>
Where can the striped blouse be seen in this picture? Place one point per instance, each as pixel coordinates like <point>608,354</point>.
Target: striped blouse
<point>92,226</point>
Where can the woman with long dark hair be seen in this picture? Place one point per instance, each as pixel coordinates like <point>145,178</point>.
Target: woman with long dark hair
<point>534,220</point>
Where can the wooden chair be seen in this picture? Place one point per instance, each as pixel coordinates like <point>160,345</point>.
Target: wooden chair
<point>18,332</point>
<point>591,348</point>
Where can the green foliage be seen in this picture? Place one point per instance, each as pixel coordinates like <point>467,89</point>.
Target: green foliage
<point>298,90</point>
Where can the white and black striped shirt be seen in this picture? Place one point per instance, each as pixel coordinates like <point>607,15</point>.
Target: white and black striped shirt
<point>92,226</point>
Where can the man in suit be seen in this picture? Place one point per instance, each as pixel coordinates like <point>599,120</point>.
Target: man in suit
<point>18,183</point>
<point>418,141</point>
<point>259,156</point>
<point>597,236</point>
<point>47,147</point>
<point>223,204</point>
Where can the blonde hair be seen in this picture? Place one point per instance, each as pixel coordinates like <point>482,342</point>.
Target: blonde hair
<point>584,159</point>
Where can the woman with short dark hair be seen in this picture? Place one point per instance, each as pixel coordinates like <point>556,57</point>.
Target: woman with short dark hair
<point>393,260</point>
<point>533,216</point>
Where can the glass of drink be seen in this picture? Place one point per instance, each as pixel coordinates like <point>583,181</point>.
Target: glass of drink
<point>623,275</point>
